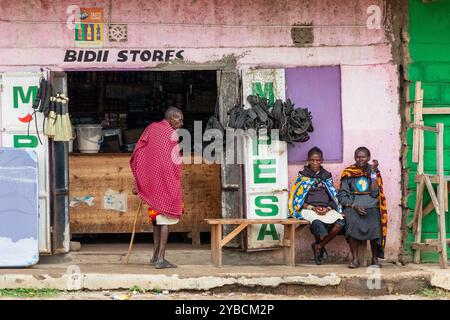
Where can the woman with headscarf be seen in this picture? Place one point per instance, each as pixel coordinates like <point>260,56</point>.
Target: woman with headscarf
<point>361,195</point>
<point>314,198</point>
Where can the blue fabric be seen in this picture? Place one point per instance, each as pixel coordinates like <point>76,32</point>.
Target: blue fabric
<point>300,190</point>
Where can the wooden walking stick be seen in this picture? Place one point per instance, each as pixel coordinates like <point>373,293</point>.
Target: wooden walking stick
<point>134,231</point>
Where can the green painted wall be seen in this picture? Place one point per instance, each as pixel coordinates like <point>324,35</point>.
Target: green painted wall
<point>429,48</point>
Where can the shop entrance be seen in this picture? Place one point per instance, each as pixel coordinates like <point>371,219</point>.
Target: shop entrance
<point>113,109</point>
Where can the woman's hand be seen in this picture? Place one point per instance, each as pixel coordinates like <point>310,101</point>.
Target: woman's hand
<point>374,165</point>
<point>361,211</point>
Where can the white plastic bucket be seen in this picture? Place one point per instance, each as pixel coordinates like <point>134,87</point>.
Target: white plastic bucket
<point>89,137</point>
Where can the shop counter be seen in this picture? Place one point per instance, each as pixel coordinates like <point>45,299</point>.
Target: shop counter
<point>101,198</point>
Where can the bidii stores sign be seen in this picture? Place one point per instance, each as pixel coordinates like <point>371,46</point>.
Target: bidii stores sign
<point>122,56</point>
<point>265,166</point>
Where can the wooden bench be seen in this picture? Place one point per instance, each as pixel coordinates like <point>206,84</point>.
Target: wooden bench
<point>217,243</point>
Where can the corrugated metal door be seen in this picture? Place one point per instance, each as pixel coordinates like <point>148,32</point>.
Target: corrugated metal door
<point>18,91</point>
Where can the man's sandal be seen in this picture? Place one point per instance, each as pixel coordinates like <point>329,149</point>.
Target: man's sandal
<point>164,265</point>
<point>354,265</point>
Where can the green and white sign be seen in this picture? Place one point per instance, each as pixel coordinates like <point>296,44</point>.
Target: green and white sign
<point>265,166</point>
<point>18,91</point>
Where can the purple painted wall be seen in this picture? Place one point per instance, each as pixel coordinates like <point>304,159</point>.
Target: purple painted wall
<point>319,90</point>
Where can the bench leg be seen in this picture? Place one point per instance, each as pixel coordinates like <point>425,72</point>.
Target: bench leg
<point>289,251</point>
<point>364,255</point>
<point>216,250</point>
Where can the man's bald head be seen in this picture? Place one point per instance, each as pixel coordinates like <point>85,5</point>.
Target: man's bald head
<point>172,113</point>
<point>175,117</point>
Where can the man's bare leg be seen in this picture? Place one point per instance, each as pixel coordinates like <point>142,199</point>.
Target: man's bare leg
<point>162,263</point>
<point>156,242</point>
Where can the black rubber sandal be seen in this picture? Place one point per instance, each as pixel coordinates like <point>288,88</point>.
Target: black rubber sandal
<point>324,254</point>
<point>317,259</point>
<point>354,265</point>
<point>164,265</point>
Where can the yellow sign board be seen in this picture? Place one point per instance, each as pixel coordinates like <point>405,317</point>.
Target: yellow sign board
<point>90,31</point>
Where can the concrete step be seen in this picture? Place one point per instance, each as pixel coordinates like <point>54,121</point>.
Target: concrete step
<point>300,280</point>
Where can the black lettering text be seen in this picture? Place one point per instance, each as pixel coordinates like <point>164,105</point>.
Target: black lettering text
<point>80,56</point>
<point>179,54</point>
<point>122,56</point>
<point>89,56</point>
<point>169,54</point>
<point>71,56</point>
<point>158,55</point>
<point>99,56</point>
<point>105,56</point>
<point>134,53</point>
<point>146,55</point>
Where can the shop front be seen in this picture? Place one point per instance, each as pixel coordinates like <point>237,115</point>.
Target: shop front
<point>116,87</point>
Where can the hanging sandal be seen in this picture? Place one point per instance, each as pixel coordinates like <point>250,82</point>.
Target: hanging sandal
<point>164,265</point>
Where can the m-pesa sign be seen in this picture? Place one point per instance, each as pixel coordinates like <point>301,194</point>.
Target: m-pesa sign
<point>266,182</point>
<point>265,165</point>
<point>18,92</point>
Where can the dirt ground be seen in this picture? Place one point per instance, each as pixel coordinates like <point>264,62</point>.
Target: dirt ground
<point>127,295</point>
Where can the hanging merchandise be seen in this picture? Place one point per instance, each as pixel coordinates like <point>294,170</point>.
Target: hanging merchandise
<point>214,122</point>
<point>59,127</point>
<point>68,130</point>
<point>58,122</point>
<point>294,124</point>
<point>41,103</point>
<point>50,120</point>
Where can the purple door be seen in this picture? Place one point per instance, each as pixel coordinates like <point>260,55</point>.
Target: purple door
<point>319,90</point>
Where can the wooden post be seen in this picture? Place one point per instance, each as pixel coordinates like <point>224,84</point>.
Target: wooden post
<point>441,196</point>
<point>418,104</point>
<point>421,144</point>
<point>418,212</point>
<point>216,237</point>
<point>421,183</point>
<point>214,245</point>
<point>289,250</point>
<point>364,255</point>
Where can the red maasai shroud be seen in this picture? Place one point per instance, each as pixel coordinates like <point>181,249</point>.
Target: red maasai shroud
<point>156,167</point>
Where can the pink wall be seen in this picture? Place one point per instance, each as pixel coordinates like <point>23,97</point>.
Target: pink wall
<point>369,81</point>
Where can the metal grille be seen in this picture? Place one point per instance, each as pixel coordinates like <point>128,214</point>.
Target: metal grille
<point>118,32</point>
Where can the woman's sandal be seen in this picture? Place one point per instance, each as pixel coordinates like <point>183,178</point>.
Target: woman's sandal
<point>376,265</point>
<point>354,265</point>
<point>164,265</point>
<point>324,254</point>
<point>152,262</point>
<point>317,258</point>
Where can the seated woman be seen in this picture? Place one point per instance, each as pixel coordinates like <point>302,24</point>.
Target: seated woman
<point>361,195</point>
<point>314,198</point>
